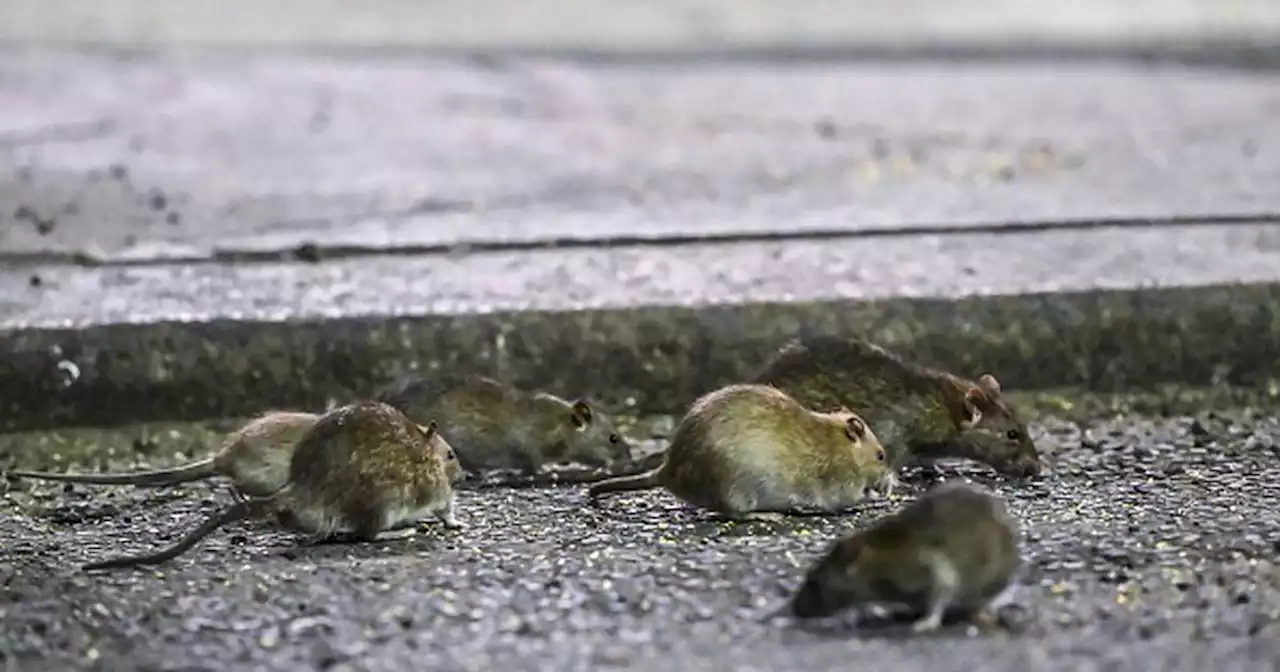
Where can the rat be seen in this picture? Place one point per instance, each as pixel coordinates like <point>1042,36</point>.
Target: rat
<point>364,471</point>
<point>255,457</point>
<point>950,552</point>
<point>920,414</point>
<point>498,426</point>
<point>752,452</point>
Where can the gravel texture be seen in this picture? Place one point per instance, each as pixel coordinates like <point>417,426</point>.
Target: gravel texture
<point>1151,543</point>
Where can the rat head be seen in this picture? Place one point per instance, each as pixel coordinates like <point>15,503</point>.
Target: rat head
<point>836,582</point>
<point>869,456</point>
<point>580,433</point>
<point>435,442</point>
<point>994,434</point>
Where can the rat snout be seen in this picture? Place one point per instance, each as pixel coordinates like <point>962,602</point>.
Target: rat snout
<point>627,454</point>
<point>824,593</point>
<point>809,601</point>
<point>1026,467</point>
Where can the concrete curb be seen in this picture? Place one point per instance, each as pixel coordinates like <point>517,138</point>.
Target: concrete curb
<point>645,359</point>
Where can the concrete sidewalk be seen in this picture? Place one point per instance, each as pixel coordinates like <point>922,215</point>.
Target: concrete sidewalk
<point>614,26</point>
<point>190,157</point>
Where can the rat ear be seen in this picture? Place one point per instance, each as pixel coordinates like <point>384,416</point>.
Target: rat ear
<point>580,414</point>
<point>988,383</point>
<point>974,401</point>
<point>855,428</point>
<point>428,430</point>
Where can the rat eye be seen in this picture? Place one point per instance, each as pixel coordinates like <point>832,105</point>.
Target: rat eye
<point>880,456</point>
<point>613,438</point>
<point>1013,434</point>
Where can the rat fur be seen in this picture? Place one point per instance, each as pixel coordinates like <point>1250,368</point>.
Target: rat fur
<point>255,458</point>
<point>920,414</point>
<point>752,452</point>
<point>950,552</point>
<point>494,425</point>
<point>363,471</point>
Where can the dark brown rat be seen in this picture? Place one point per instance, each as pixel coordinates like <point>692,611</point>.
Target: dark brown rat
<point>920,414</point>
<point>752,452</point>
<point>364,471</point>
<point>494,425</point>
<point>255,458</point>
<point>950,552</point>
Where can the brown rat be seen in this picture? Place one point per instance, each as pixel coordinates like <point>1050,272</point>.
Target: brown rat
<point>920,414</point>
<point>753,452</point>
<point>494,425</point>
<point>255,457</point>
<point>950,552</point>
<point>364,471</point>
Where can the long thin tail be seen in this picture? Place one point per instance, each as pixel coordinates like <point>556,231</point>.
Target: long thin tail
<point>145,479</point>
<point>238,511</point>
<point>651,461</point>
<point>641,481</point>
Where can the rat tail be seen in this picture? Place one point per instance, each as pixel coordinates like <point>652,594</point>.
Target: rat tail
<point>641,481</point>
<point>145,479</point>
<point>239,511</point>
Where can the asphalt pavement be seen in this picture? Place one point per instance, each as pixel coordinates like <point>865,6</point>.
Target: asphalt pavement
<point>1150,544</point>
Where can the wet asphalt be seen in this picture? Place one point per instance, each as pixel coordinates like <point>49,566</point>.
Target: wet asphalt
<point>1151,543</point>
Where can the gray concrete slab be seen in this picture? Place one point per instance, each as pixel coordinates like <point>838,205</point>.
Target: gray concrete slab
<point>141,158</point>
<point>619,25</point>
<point>696,276</point>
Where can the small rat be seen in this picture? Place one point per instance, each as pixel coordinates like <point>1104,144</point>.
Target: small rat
<point>497,426</point>
<point>950,552</point>
<point>920,414</point>
<point>364,471</point>
<point>752,452</point>
<point>255,457</point>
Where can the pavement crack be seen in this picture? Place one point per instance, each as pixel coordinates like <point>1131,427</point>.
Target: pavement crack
<point>316,252</point>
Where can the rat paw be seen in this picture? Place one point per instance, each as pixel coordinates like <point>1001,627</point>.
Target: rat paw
<point>927,624</point>
<point>395,535</point>
<point>763,516</point>
<point>453,524</point>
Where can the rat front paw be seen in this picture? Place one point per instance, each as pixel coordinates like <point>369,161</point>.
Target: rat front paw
<point>927,624</point>
<point>763,516</point>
